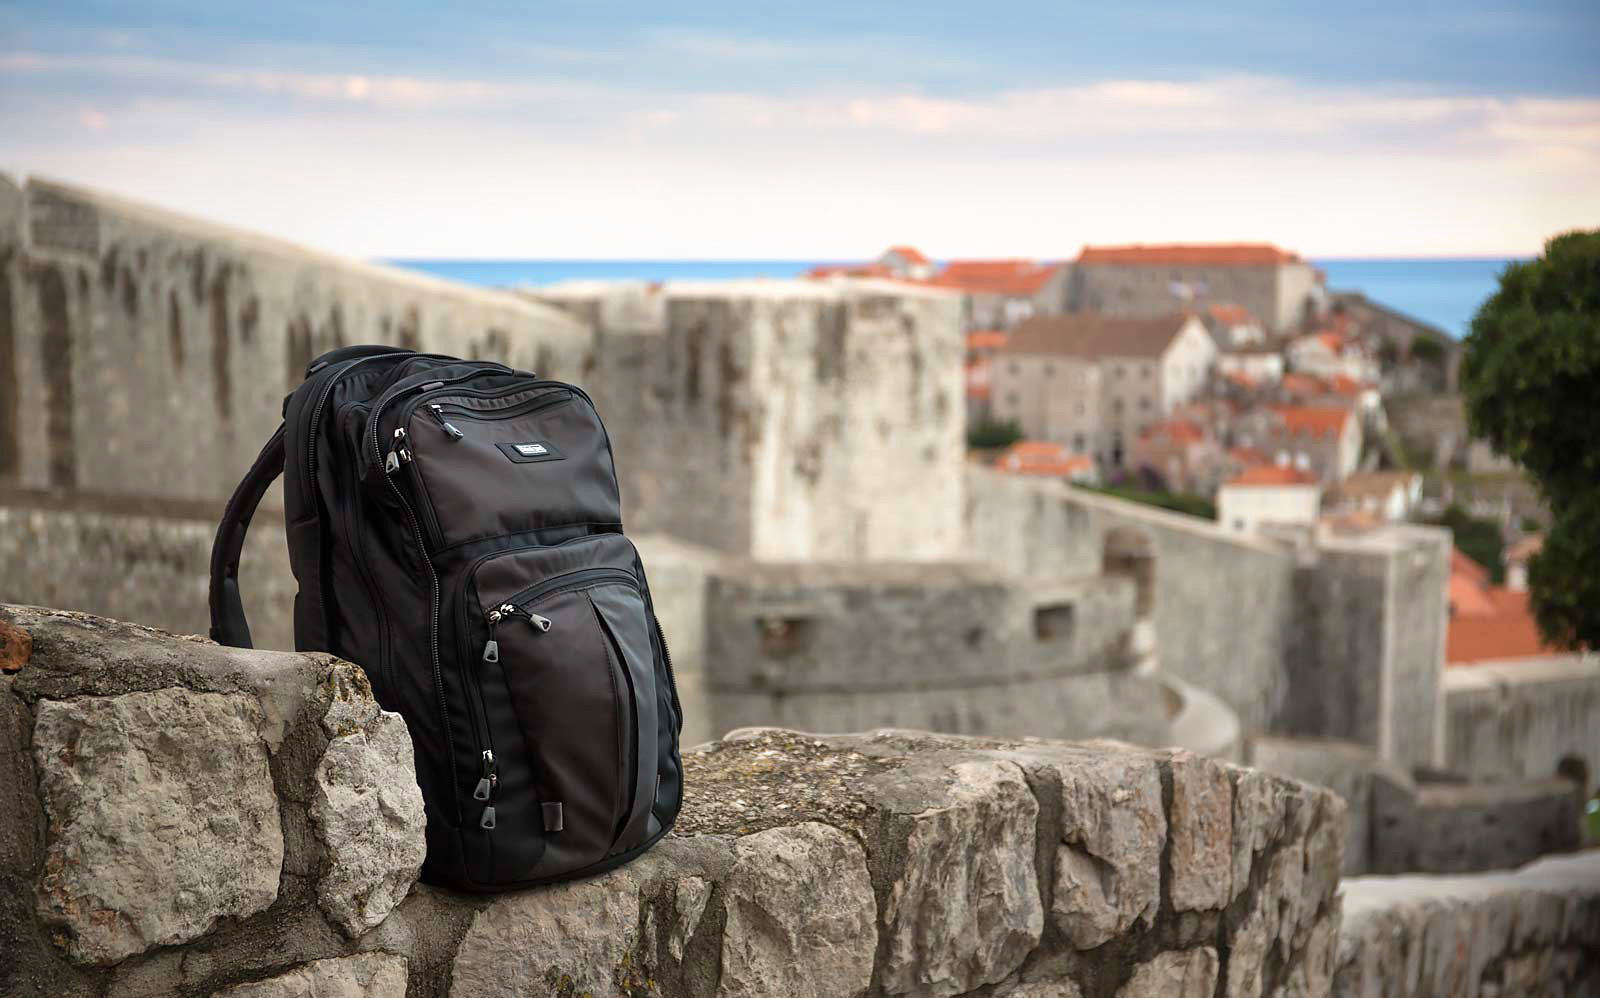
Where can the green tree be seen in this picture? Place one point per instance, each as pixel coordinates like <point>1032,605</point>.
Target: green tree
<point>993,435</point>
<point>1531,374</point>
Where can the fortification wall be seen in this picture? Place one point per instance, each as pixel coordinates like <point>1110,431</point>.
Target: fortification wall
<point>148,354</point>
<point>1520,720</point>
<point>785,420</point>
<point>1533,931</point>
<point>1330,635</point>
<point>957,648</point>
<point>1394,824</point>
<point>890,863</point>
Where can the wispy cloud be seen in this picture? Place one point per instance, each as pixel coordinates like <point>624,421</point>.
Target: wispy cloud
<point>569,165</point>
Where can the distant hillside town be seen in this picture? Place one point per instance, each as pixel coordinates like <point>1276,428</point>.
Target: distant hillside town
<point>1228,380</point>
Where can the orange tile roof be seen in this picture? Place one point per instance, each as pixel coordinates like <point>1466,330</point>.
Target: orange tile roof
<point>849,270</point>
<point>1039,457</point>
<point>1299,383</point>
<point>908,253</point>
<point>1003,277</point>
<point>987,339</point>
<point>1464,566</point>
<point>1233,315</point>
<point>1343,384</point>
<point>1313,420</point>
<point>1198,254</point>
<point>1248,456</point>
<point>1240,378</point>
<point>1273,475</point>
<point>1506,630</point>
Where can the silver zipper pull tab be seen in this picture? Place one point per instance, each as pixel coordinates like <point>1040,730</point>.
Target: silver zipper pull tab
<point>487,821</point>
<point>438,414</point>
<point>399,453</point>
<point>542,623</point>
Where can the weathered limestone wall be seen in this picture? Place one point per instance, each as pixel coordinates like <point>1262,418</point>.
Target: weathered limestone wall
<point>1533,931</point>
<point>1394,824</point>
<point>949,647</point>
<point>1229,639</point>
<point>183,819</point>
<point>144,561</point>
<point>785,420</point>
<point>1520,720</point>
<point>148,354</point>
<point>1336,636</point>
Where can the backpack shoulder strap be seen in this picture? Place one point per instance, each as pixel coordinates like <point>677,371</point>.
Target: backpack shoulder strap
<point>228,625</point>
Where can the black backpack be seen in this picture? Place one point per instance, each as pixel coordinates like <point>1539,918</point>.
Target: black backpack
<point>456,530</point>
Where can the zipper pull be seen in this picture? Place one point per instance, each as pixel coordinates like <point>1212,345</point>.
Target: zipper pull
<point>399,453</point>
<point>438,413</point>
<point>490,780</point>
<point>487,821</point>
<point>491,648</point>
<point>542,623</point>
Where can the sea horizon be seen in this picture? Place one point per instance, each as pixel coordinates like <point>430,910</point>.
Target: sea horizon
<point>1444,290</point>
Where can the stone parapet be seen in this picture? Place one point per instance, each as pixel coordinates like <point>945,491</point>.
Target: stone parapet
<point>187,819</point>
<point>1533,931</point>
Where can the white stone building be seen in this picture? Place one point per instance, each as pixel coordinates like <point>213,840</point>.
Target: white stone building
<point>1093,383</point>
<point>1276,495</point>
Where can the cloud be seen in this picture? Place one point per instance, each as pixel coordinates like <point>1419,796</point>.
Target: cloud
<point>564,167</point>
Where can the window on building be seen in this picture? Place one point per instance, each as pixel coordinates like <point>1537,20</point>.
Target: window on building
<point>1118,371</point>
<point>1077,443</point>
<point>1049,370</point>
<point>1011,399</point>
<point>1012,367</point>
<point>1077,408</point>
<point>1144,372</point>
<point>1144,405</point>
<point>1116,406</point>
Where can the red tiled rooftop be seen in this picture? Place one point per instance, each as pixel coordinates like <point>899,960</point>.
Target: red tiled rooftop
<point>1313,420</point>
<point>987,339</point>
<point>1039,457</point>
<point>1197,254</point>
<point>1507,630</point>
<point>1004,277</point>
<point>1248,456</point>
<point>1464,566</point>
<point>1233,315</point>
<point>1273,475</point>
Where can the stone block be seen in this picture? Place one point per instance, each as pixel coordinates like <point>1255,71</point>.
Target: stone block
<point>366,807</point>
<point>364,975</point>
<point>800,916</point>
<point>162,818</point>
<point>964,909</point>
<point>1201,834</point>
<point>1190,973</point>
<point>1108,863</point>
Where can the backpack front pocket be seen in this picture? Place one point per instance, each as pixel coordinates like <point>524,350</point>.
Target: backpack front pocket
<point>566,673</point>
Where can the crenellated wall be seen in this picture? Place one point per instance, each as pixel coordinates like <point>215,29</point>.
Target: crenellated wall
<point>184,819</point>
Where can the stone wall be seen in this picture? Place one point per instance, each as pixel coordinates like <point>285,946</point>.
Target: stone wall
<point>148,354</point>
<point>1395,824</point>
<point>1330,635</point>
<point>1531,932</point>
<point>184,819</point>
<point>1520,720</point>
<point>144,561</point>
<point>785,420</point>
<point>955,648</point>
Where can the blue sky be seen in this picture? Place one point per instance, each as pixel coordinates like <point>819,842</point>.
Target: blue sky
<point>822,130</point>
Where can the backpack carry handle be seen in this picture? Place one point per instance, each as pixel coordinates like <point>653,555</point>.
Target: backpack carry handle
<point>356,352</point>
<point>228,624</point>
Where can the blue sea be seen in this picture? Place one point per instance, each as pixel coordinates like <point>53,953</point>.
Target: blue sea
<point>1444,291</point>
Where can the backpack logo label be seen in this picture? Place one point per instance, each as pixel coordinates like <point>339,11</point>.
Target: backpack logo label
<point>531,451</point>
